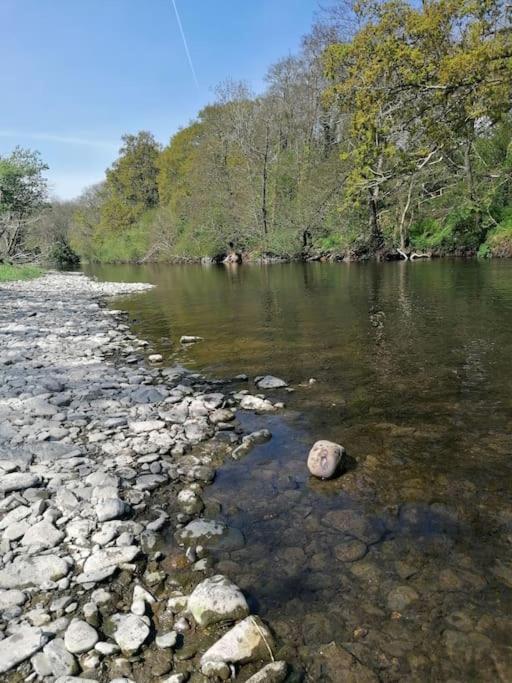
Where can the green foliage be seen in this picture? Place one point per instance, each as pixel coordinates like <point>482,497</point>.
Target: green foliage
<point>10,272</point>
<point>398,135</point>
<point>499,240</point>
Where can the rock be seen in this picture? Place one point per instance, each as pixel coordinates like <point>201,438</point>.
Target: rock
<point>11,598</point>
<point>130,631</point>
<point>272,673</point>
<point>18,481</point>
<point>113,508</point>
<point>20,646</point>
<point>216,670</point>
<point>190,502</point>
<point>325,458</point>
<point>166,640</point>
<point>44,534</point>
<point>143,426</point>
<point>60,660</point>
<point>80,637</point>
<point>269,382</point>
<point>356,524</point>
<point>217,599</point>
<point>33,571</point>
<point>189,339</point>
<point>401,597</point>
<point>248,641</point>
<point>257,404</point>
<point>155,358</point>
<point>110,557</point>
<point>351,551</point>
<point>201,531</point>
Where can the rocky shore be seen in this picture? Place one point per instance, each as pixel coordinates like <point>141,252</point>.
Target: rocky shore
<point>105,570</point>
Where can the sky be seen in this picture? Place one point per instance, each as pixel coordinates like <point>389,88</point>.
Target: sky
<point>78,74</point>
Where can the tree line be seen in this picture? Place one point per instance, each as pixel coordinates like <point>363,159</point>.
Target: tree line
<point>389,134</point>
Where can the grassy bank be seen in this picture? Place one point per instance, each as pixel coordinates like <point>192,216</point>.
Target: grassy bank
<point>8,272</point>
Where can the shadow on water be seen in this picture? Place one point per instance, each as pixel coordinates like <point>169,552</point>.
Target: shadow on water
<point>406,559</point>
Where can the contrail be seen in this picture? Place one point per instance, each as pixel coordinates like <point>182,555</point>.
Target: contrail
<point>185,44</point>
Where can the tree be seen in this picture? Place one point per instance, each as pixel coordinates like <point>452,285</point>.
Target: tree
<point>131,182</point>
<point>23,193</point>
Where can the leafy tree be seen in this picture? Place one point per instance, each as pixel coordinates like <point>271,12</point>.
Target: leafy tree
<point>23,193</point>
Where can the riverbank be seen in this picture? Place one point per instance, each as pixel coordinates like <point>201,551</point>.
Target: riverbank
<point>104,455</point>
<point>9,273</point>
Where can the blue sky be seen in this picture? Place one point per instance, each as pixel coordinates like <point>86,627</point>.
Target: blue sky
<point>77,74</point>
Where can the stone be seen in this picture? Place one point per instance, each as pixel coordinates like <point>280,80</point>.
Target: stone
<point>33,571</point>
<point>261,405</point>
<point>80,637</point>
<point>216,670</point>
<point>15,515</point>
<point>248,641</point>
<point>351,551</point>
<point>325,459</point>
<point>18,481</point>
<point>201,531</point>
<point>217,599</point>
<point>275,672</point>
<point>11,598</point>
<point>166,640</point>
<point>113,508</point>
<point>401,597</point>
<point>190,502</point>
<point>110,557</point>
<point>60,660</point>
<point>44,534</point>
<point>130,631</point>
<point>20,646</point>
<point>353,523</point>
<point>270,382</point>
<point>15,531</point>
<point>190,339</point>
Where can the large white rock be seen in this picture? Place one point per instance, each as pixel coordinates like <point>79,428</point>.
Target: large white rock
<point>80,637</point>
<point>44,534</point>
<point>33,571</point>
<point>130,632</point>
<point>217,599</point>
<point>21,645</point>
<point>249,640</point>
<point>325,458</point>
<point>110,557</point>
<point>18,481</point>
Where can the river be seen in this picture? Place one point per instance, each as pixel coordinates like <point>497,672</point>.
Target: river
<point>406,559</point>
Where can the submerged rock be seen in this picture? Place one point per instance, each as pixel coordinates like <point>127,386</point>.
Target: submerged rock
<point>248,641</point>
<point>271,673</point>
<point>217,599</point>
<point>270,382</point>
<point>325,459</point>
<point>190,339</point>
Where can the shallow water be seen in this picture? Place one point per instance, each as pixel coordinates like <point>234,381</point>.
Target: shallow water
<point>406,559</point>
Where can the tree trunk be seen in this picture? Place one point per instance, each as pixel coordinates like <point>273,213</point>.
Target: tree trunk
<point>264,210</point>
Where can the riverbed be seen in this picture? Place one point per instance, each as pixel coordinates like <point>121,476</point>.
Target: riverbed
<point>406,559</point>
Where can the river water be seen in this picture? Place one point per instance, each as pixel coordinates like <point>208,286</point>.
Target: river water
<point>405,560</point>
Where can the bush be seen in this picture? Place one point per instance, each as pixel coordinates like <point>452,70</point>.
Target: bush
<point>499,240</point>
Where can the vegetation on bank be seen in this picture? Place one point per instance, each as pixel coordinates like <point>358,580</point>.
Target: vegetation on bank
<point>26,272</point>
<point>389,133</point>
